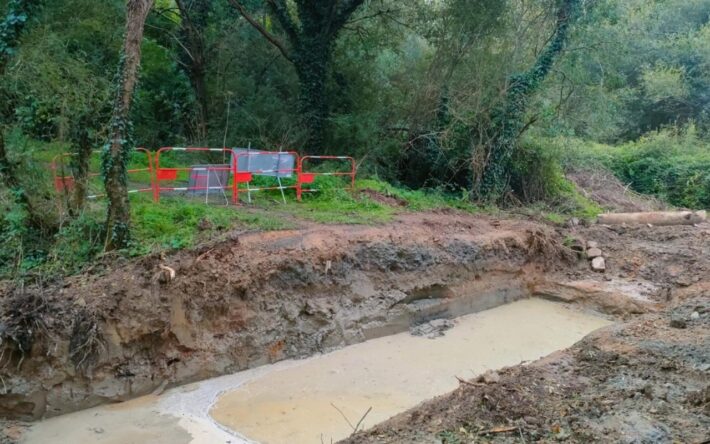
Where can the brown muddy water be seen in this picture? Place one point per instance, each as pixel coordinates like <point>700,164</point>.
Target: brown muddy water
<point>308,401</point>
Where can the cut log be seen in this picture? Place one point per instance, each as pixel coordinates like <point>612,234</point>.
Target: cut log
<point>654,218</point>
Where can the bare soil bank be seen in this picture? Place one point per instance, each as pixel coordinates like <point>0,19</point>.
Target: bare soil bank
<point>646,380</point>
<point>253,299</point>
<point>257,298</point>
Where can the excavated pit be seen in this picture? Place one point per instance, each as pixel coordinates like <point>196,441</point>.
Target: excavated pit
<point>250,300</point>
<point>256,299</point>
<point>304,401</point>
<point>252,305</point>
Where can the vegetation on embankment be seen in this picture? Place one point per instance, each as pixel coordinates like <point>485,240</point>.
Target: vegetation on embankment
<point>427,96</point>
<point>672,164</point>
<point>181,221</point>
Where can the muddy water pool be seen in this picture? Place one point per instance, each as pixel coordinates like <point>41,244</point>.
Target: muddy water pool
<point>306,401</point>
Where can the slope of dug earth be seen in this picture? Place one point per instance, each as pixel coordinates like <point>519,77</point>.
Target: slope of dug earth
<point>253,299</point>
<point>257,298</point>
<point>646,380</point>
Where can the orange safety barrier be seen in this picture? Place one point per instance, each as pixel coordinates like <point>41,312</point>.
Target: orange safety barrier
<point>305,177</point>
<point>64,181</point>
<point>245,175</point>
<point>199,175</point>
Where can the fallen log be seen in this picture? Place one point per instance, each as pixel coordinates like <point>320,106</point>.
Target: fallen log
<point>654,218</point>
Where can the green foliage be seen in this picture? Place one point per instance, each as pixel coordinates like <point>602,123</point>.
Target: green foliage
<point>421,200</point>
<point>177,223</point>
<point>507,121</point>
<point>77,244</point>
<point>423,93</point>
<point>672,164</point>
<point>163,99</point>
<point>537,177</point>
<point>11,26</point>
<point>640,65</point>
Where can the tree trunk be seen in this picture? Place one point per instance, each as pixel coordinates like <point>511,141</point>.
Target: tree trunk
<point>311,62</point>
<point>194,60</point>
<point>654,218</point>
<point>508,121</point>
<point>117,150</point>
<point>7,169</point>
<point>197,75</point>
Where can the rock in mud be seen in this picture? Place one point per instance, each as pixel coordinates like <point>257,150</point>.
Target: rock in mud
<point>678,322</point>
<point>593,252</point>
<point>432,329</point>
<point>489,377</point>
<point>598,264</point>
<point>592,244</point>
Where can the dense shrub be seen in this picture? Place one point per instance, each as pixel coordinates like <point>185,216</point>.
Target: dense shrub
<point>672,164</point>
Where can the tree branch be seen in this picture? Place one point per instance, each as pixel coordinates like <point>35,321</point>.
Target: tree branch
<point>344,14</point>
<point>267,35</point>
<point>280,10</point>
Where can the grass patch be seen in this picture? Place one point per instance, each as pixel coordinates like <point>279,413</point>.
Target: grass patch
<point>420,200</point>
<point>177,222</point>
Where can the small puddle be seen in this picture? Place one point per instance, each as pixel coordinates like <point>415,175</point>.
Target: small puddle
<point>309,402</point>
<point>305,401</point>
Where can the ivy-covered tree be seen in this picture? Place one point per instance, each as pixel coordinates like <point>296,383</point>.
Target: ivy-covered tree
<point>11,28</point>
<point>117,150</point>
<point>311,36</point>
<point>491,175</point>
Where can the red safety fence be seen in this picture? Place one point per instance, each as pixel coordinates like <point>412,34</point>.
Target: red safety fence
<point>65,182</point>
<point>277,170</point>
<point>241,168</point>
<point>306,177</point>
<point>199,177</point>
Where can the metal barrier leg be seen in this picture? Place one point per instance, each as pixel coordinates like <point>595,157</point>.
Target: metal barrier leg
<point>283,195</point>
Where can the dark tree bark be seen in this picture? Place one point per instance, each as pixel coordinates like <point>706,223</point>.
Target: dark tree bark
<point>117,150</point>
<point>310,49</point>
<point>194,60</point>
<point>492,177</point>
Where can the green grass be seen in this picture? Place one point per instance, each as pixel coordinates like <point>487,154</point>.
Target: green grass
<point>177,222</point>
<point>420,200</point>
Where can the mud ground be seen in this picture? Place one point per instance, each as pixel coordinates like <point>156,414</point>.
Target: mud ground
<point>639,382</point>
<point>644,380</point>
<point>254,298</point>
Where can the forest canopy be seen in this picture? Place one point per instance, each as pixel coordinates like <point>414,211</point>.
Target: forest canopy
<point>479,97</point>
